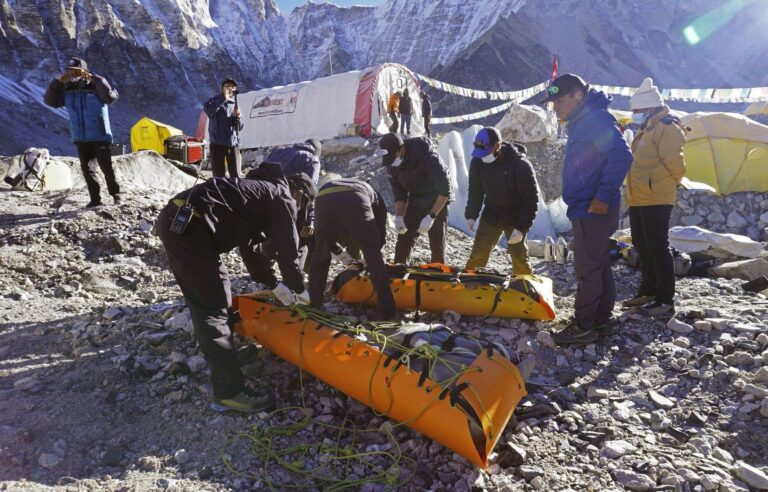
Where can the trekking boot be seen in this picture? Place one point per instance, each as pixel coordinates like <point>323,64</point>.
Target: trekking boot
<point>94,204</point>
<point>638,300</point>
<point>605,328</point>
<point>658,309</point>
<point>117,199</point>
<point>575,335</point>
<point>247,401</point>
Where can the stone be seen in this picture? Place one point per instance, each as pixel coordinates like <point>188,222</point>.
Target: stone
<point>511,455</point>
<point>113,456</point>
<point>594,393</point>
<point>678,326</point>
<point>181,321</point>
<point>722,455</point>
<point>709,482</point>
<point>660,400</point>
<point>182,456</point>
<point>112,313</point>
<point>616,449</point>
<point>196,363</point>
<point>28,384</point>
<point>702,325</point>
<point>764,407</point>
<point>529,472</point>
<point>545,339</point>
<point>736,222</point>
<point>49,460</point>
<point>537,483</point>
<point>739,358</point>
<point>634,481</point>
<point>744,269</point>
<point>688,475</point>
<point>758,391</point>
<point>526,123</point>
<point>753,476</point>
<point>692,220</point>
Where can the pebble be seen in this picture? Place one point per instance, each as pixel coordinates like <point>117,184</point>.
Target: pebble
<point>182,456</point>
<point>761,376</point>
<point>710,482</point>
<point>545,338</point>
<point>764,408</point>
<point>594,393</point>
<point>616,449</point>
<point>537,483</point>
<point>754,477</point>
<point>633,480</point>
<point>739,359</point>
<point>49,460</point>
<point>112,313</point>
<point>660,400</point>
<point>196,363</point>
<point>678,326</point>
<point>511,455</point>
<point>529,472</point>
<point>722,455</point>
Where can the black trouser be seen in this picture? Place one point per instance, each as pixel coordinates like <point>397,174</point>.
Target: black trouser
<point>87,151</point>
<point>262,264</point>
<point>348,213</point>
<point>395,122</point>
<point>650,237</point>
<point>405,123</point>
<point>204,281</point>
<point>222,153</point>
<point>427,120</point>
<point>405,242</point>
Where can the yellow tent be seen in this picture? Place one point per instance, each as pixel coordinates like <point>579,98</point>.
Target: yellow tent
<point>149,134</point>
<point>727,151</point>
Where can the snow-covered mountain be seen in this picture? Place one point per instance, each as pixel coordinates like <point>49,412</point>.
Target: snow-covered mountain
<point>167,56</point>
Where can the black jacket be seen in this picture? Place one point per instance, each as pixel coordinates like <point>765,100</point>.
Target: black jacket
<point>372,202</point>
<point>507,186</point>
<point>422,176</point>
<point>426,105</point>
<point>240,212</point>
<point>406,105</point>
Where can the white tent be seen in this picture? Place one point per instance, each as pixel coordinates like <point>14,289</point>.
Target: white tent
<point>350,103</point>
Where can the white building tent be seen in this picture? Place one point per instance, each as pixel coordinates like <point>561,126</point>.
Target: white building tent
<point>350,103</point>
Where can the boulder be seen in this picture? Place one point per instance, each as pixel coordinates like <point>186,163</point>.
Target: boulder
<point>346,145</point>
<point>745,269</point>
<point>524,123</point>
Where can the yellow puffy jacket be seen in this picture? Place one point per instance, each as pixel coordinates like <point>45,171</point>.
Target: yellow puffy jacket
<point>394,103</point>
<point>658,164</point>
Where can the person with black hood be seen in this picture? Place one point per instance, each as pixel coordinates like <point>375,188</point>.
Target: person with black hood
<point>421,184</point>
<point>224,125</point>
<point>86,97</point>
<point>596,162</point>
<point>501,182</point>
<point>214,217</point>
<point>406,109</point>
<point>299,158</point>
<point>349,211</point>
<point>426,112</point>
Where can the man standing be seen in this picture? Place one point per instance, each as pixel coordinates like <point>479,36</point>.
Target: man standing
<point>86,97</point>
<point>502,176</point>
<point>426,112</point>
<point>422,188</point>
<point>349,210</point>
<point>224,125</point>
<point>596,161</point>
<point>658,166</point>
<point>393,108</point>
<point>406,108</point>
<point>212,218</point>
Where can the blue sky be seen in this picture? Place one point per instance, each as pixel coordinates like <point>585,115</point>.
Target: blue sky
<point>288,5</point>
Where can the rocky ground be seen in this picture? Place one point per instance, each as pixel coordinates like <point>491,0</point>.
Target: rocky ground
<point>102,386</point>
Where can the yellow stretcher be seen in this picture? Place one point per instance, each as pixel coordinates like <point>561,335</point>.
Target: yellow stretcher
<point>437,288</point>
<point>468,417</point>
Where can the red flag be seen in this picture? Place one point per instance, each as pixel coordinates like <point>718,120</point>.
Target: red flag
<point>554,67</point>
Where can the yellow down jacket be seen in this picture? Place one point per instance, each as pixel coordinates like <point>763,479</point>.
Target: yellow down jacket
<point>658,164</point>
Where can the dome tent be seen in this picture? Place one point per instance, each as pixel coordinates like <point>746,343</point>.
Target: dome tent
<point>339,105</point>
<point>149,134</point>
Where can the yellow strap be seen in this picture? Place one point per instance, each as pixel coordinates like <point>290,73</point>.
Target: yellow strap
<point>179,202</point>
<point>333,189</point>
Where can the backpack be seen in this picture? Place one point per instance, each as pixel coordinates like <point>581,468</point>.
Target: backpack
<point>29,173</point>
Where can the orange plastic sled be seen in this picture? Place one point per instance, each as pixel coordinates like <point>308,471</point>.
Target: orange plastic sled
<point>436,288</point>
<point>468,417</point>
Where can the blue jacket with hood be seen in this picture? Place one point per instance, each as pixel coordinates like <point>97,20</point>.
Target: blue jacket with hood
<point>86,102</point>
<point>597,157</point>
<point>221,121</point>
<point>297,158</point>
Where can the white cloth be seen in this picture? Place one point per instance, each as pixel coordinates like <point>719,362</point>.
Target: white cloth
<point>646,96</point>
<point>400,224</point>
<point>471,224</point>
<point>287,297</point>
<point>515,237</point>
<point>426,224</point>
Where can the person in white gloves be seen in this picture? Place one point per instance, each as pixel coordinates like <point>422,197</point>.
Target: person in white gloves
<point>421,184</point>
<point>503,184</point>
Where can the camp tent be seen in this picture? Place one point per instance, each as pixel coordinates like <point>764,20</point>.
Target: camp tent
<point>727,151</point>
<point>758,111</point>
<point>344,104</point>
<point>149,134</point>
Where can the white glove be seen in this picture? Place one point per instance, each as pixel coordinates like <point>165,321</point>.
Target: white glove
<point>426,224</point>
<point>515,237</point>
<point>400,224</point>
<point>287,297</point>
<point>302,298</point>
<point>344,257</point>
<point>471,224</point>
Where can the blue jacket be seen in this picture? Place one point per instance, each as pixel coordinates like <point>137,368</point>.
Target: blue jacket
<point>86,103</point>
<point>597,157</point>
<point>221,121</point>
<point>297,158</point>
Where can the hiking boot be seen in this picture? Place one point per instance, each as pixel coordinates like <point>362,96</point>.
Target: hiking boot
<point>658,309</point>
<point>605,328</point>
<point>575,335</point>
<point>247,401</point>
<point>638,300</point>
<point>94,203</point>
<point>117,199</point>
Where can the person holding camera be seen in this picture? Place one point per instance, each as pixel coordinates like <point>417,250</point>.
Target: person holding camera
<point>86,97</point>
<point>224,127</point>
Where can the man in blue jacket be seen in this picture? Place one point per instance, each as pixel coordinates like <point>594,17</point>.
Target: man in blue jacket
<point>596,161</point>
<point>86,97</point>
<point>224,125</point>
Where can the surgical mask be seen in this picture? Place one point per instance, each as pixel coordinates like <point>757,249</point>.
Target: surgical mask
<point>397,162</point>
<point>489,158</point>
<point>639,118</point>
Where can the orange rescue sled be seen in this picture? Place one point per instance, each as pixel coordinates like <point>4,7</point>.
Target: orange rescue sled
<point>436,288</point>
<point>468,416</point>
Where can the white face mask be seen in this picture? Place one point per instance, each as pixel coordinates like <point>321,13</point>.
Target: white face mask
<point>639,118</point>
<point>397,162</point>
<point>489,158</point>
